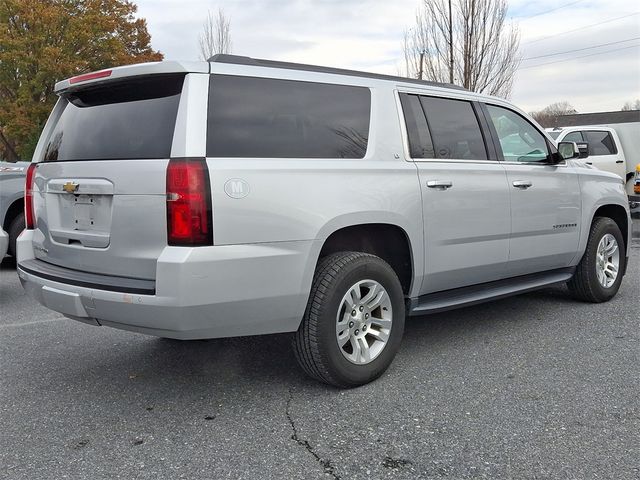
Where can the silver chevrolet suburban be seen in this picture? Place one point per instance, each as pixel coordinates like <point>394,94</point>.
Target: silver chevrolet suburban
<point>242,197</point>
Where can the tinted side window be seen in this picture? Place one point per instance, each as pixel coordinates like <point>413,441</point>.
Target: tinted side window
<point>270,118</point>
<point>420,144</point>
<point>520,140</point>
<point>600,143</point>
<point>573,137</point>
<point>129,119</point>
<point>454,128</point>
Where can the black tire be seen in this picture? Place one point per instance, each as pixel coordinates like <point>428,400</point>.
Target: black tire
<point>315,345</point>
<point>15,229</point>
<point>584,284</point>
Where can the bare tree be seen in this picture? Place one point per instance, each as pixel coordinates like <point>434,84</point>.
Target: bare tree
<point>466,42</point>
<point>631,105</point>
<point>216,35</point>
<point>549,115</point>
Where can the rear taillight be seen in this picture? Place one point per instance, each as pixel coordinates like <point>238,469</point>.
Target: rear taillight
<point>29,212</point>
<point>188,203</point>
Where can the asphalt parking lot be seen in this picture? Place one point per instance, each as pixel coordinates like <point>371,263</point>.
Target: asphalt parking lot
<point>536,386</point>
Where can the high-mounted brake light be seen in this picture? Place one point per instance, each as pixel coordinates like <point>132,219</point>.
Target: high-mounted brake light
<point>90,76</point>
<point>29,212</point>
<point>188,203</point>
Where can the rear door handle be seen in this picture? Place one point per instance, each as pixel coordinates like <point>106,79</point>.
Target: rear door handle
<point>442,184</point>
<point>524,184</point>
<point>619,161</point>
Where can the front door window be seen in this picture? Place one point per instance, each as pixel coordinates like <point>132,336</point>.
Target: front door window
<point>520,141</point>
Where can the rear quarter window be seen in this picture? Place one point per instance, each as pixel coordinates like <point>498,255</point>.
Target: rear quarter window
<point>272,118</point>
<point>129,119</point>
<point>600,143</point>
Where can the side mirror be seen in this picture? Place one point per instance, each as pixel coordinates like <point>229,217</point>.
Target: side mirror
<point>583,147</point>
<point>568,150</point>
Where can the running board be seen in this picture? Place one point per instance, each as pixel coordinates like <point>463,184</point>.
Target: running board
<point>472,295</point>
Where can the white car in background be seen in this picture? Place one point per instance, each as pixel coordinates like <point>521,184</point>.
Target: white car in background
<point>613,148</point>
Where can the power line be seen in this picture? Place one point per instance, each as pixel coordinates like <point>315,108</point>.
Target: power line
<point>581,28</point>
<point>581,49</point>
<point>582,56</point>
<point>527,17</point>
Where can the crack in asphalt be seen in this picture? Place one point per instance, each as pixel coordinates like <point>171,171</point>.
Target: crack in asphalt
<point>328,467</point>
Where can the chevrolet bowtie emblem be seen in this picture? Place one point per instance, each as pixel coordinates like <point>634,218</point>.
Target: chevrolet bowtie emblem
<point>70,187</point>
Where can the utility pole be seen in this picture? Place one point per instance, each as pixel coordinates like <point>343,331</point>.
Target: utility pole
<point>421,63</point>
<point>450,45</point>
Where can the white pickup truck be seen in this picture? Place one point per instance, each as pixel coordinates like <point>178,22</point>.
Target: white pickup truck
<point>614,148</point>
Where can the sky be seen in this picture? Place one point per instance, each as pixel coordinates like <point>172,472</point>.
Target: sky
<point>367,35</point>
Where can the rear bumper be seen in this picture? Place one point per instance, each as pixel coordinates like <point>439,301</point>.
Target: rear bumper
<point>47,271</point>
<point>4,243</point>
<point>204,292</point>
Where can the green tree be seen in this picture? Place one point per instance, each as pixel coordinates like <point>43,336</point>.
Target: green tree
<point>44,41</point>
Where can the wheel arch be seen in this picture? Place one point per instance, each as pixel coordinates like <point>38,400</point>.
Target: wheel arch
<point>606,206</point>
<point>12,212</point>
<point>389,241</point>
<point>618,214</point>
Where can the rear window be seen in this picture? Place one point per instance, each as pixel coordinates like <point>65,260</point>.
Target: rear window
<point>270,118</point>
<point>600,143</point>
<point>132,119</point>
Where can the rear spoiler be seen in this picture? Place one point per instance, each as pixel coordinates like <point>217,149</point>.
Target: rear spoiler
<point>111,74</point>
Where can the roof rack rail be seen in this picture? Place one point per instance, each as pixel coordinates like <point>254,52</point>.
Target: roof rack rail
<point>257,62</point>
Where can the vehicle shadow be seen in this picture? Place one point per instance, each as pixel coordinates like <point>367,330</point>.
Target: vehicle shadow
<point>118,361</point>
<point>268,359</point>
<point>8,263</point>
